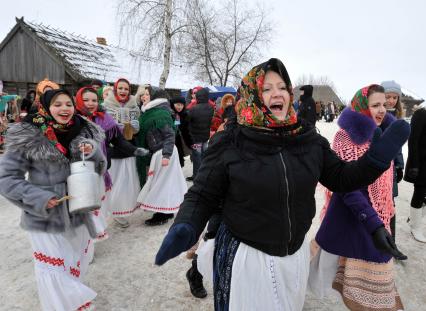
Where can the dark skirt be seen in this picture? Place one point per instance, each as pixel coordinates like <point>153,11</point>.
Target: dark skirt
<point>226,246</point>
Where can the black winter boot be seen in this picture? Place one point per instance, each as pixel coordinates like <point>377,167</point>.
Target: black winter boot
<point>158,219</point>
<point>195,280</point>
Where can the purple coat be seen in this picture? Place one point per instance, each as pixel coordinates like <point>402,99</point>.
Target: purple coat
<point>350,219</point>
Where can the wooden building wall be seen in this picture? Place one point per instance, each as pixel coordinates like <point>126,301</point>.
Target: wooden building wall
<point>23,60</point>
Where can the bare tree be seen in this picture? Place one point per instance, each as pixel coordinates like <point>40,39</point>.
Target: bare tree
<point>225,39</point>
<point>217,40</point>
<point>149,27</point>
<point>313,80</point>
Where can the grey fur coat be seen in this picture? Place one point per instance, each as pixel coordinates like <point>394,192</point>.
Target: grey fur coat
<point>29,151</point>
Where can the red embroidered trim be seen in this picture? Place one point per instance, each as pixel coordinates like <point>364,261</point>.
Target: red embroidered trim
<point>85,306</point>
<point>125,212</point>
<point>75,272</point>
<point>159,208</point>
<point>102,236</point>
<point>49,260</point>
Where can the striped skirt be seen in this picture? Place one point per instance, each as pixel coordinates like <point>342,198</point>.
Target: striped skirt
<point>367,285</point>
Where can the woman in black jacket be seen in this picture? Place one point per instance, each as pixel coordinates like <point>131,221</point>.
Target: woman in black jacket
<point>263,172</point>
<point>415,170</point>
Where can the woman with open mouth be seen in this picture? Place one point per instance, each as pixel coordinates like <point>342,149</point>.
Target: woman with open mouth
<point>44,145</point>
<point>262,172</point>
<point>87,105</point>
<point>357,268</point>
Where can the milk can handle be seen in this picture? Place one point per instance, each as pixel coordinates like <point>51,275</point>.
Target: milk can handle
<point>84,163</point>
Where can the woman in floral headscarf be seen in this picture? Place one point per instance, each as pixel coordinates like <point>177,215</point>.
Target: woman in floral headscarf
<point>263,173</point>
<point>352,217</point>
<point>33,176</point>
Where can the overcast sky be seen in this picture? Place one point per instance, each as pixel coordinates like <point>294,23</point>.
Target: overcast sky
<point>354,43</point>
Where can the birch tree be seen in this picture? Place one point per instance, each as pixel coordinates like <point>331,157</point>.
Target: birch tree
<point>217,40</point>
<point>149,27</point>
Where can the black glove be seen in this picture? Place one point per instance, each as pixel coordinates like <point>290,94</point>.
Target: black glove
<point>384,148</point>
<point>411,174</point>
<point>399,174</point>
<point>179,239</point>
<point>384,242</point>
<point>141,152</point>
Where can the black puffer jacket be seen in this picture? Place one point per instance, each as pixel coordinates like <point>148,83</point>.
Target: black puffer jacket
<point>267,185</point>
<point>199,117</point>
<point>307,108</point>
<point>417,147</point>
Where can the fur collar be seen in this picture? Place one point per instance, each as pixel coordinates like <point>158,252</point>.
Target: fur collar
<point>360,127</point>
<point>111,103</point>
<point>154,103</point>
<point>26,138</point>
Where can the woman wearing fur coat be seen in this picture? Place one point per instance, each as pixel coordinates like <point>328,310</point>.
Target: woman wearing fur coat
<point>44,145</point>
<point>123,108</point>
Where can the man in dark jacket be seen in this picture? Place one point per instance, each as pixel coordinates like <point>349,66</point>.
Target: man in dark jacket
<point>307,109</point>
<point>199,120</point>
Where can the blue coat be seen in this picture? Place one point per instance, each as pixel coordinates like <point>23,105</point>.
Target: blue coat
<point>347,227</point>
<point>351,219</point>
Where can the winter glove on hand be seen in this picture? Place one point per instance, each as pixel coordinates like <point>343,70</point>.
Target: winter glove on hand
<point>384,242</point>
<point>384,148</point>
<point>135,125</point>
<point>411,174</point>
<point>141,152</point>
<point>179,239</point>
<point>399,174</point>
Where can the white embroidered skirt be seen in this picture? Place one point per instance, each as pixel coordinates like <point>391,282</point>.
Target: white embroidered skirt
<point>165,186</point>
<point>60,261</point>
<point>100,216</point>
<point>260,281</point>
<point>125,189</point>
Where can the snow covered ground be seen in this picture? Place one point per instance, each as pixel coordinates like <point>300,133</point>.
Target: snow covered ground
<point>125,277</point>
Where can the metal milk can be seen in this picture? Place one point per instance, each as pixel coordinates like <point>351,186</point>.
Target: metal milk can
<point>83,187</point>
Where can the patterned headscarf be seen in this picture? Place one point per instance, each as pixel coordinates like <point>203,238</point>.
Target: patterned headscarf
<point>359,102</point>
<point>42,85</point>
<point>250,108</point>
<point>121,101</point>
<point>45,121</point>
<point>81,108</point>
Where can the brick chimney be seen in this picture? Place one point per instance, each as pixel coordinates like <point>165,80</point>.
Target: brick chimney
<point>101,40</point>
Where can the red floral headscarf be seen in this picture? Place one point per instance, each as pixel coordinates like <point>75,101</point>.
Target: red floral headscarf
<point>81,108</point>
<point>250,108</point>
<point>359,102</point>
<point>121,101</point>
